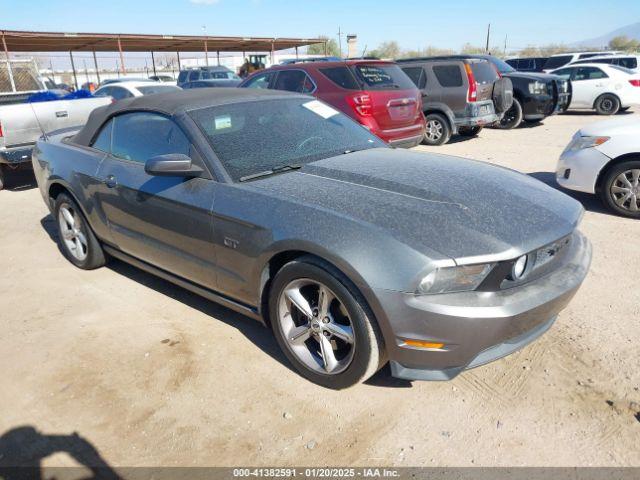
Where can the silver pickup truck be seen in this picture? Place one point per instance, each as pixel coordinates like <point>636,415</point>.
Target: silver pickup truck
<point>21,124</point>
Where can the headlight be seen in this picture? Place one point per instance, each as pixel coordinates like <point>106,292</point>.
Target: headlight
<point>537,88</point>
<point>587,142</point>
<point>454,279</point>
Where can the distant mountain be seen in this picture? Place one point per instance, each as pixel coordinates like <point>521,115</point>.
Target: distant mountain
<point>631,31</point>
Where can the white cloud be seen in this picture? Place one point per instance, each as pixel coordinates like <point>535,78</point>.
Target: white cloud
<point>204,2</point>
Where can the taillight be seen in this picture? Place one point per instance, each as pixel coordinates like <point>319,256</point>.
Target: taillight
<point>1,134</point>
<point>635,83</point>
<point>361,103</point>
<point>472,95</point>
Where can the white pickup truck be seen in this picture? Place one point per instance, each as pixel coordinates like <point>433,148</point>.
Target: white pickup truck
<point>22,122</point>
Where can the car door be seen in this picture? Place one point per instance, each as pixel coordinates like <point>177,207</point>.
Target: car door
<point>588,84</point>
<point>162,220</point>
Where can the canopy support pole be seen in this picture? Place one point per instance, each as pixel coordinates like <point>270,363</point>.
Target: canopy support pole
<point>6,53</point>
<point>95,64</point>
<point>272,54</point>
<point>153,63</point>
<point>296,53</point>
<point>206,53</point>
<point>73,69</point>
<point>218,55</point>
<point>122,67</point>
<point>178,54</point>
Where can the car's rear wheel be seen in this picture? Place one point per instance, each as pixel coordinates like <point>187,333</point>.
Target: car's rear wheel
<point>620,189</point>
<point>607,104</point>
<point>2,181</point>
<point>438,129</point>
<point>77,241</point>
<point>469,131</point>
<point>323,326</point>
<point>512,117</point>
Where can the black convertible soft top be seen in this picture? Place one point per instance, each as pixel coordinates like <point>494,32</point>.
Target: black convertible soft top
<point>175,103</point>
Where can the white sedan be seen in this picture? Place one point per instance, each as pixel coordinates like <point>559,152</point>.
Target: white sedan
<point>604,158</point>
<point>122,90</point>
<point>604,88</point>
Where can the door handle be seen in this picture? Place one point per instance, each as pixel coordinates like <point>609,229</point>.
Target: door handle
<point>110,181</point>
<point>62,114</point>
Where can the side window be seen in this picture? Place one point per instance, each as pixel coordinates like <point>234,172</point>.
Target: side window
<point>417,76</point>
<point>564,73</point>
<point>119,93</point>
<point>628,62</point>
<point>104,92</point>
<point>448,75</point>
<point>588,73</point>
<point>341,76</point>
<point>103,140</point>
<point>294,81</point>
<point>140,136</point>
<point>260,81</point>
<point>194,75</point>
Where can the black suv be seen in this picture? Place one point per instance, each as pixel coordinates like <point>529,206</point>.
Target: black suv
<point>535,95</point>
<point>459,95</point>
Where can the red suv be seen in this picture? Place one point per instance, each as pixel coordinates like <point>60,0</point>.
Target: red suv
<point>377,94</point>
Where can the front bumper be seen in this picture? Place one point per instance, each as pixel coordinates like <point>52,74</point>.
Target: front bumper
<point>16,155</point>
<point>478,327</point>
<point>579,169</point>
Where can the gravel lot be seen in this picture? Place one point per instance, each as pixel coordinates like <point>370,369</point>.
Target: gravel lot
<point>150,374</point>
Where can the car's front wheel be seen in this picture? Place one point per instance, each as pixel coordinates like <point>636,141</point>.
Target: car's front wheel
<point>77,241</point>
<point>620,189</point>
<point>512,117</point>
<point>607,104</point>
<point>323,326</point>
<point>438,130</point>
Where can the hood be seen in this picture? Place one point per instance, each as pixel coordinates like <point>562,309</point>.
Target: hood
<point>624,125</point>
<point>457,207</point>
<point>541,77</point>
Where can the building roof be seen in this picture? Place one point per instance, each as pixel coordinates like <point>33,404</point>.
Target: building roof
<point>24,41</point>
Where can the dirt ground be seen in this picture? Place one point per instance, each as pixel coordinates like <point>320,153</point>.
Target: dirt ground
<point>152,375</point>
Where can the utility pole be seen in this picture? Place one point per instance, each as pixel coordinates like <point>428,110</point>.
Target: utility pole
<point>340,41</point>
<point>505,45</point>
<point>488,35</point>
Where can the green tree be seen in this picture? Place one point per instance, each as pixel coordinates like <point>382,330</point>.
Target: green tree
<point>624,43</point>
<point>318,48</point>
<point>389,50</point>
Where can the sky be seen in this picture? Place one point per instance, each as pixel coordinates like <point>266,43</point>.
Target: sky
<point>412,23</point>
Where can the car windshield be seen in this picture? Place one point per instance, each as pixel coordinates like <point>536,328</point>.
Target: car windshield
<point>153,89</point>
<point>383,77</point>
<point>556,62</point>
<point>503,67</point>
<point>263,137</point>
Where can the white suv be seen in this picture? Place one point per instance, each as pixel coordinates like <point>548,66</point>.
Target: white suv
<point>561,59</point>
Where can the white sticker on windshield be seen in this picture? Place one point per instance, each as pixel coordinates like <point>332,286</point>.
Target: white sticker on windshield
<point>223,122</point>
<point>319,108</point>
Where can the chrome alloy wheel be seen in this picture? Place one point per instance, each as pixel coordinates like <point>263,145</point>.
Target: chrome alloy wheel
<point>625,190</point>
<point>317,326</point>
<point>434,130</point>
<point>70,229</point>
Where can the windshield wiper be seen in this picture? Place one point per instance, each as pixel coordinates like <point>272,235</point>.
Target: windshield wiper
<point>273,171</point>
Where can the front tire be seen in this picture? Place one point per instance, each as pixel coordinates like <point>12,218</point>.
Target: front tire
<point>438,130</point>
<point>75,237</point>
<point>620,190</point>
<point>607,104</point>
<point>323,326</point>
<point>512,117</point>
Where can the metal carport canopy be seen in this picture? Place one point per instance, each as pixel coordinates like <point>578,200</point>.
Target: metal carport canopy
<point>24,41</point>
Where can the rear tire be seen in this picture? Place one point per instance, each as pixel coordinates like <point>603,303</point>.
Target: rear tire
<point>438,130</point>
<point>512,117</point>
<point>2,181</point>
<point>607,104</point>
<point>469,131</point>
<point>75,237</point>
<point>620,189</point>
<point>344,363</point>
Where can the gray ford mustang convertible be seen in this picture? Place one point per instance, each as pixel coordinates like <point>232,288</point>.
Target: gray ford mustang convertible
<point>278,206</point>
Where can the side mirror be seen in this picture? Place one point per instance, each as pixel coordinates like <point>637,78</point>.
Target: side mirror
<point>172,165</point>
